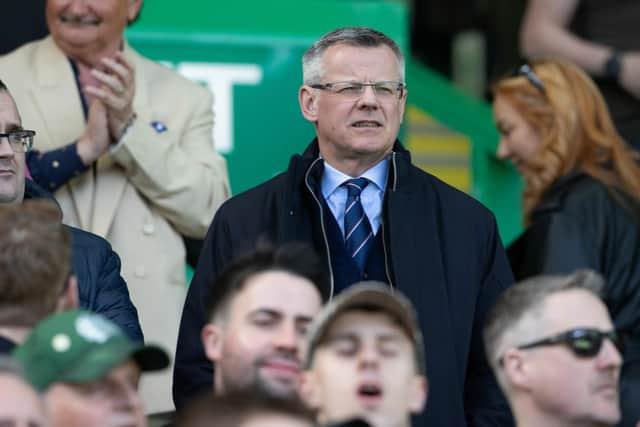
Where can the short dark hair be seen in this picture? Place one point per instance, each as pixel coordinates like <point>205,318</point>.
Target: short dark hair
<point>236,408</point>
<point>528,296</point>
<point>35,261</point>
<point>3,86</point>
<point>351,36</point>
<point>296,258</point>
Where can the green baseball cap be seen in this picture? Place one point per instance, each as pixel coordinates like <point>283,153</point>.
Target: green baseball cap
<point>78,346</point>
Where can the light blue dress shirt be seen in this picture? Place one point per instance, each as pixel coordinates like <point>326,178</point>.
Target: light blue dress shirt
<point>371,196</point>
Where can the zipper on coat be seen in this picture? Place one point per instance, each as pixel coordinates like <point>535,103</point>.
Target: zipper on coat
<point>384,240</point>
<point>324,232</point>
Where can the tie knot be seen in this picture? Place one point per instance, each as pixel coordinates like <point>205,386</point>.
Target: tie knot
<point>355,186</point>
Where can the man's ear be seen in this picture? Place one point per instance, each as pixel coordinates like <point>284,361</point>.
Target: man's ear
<point>308,390</point>
<point>403,102</point>
<point>308,103</point>
<point>68,300</point>
<point>516,369</point>
<point>419,391</point>
<point>212,336</point>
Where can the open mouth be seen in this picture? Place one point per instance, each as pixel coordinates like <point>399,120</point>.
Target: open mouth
<point>370,394</point>
<point>367,124</point>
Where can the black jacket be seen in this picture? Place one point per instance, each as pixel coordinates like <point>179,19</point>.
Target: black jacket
<point>581,224</point>
<point>101,289</point>
<point>443,251</point>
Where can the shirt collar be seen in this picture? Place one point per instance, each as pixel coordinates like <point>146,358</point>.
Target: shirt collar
<point>333,178</point>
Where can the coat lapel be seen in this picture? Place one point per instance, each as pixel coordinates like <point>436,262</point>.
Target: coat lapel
<point>56,84</point>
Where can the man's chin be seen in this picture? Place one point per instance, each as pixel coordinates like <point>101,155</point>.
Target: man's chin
<point>283,388</point>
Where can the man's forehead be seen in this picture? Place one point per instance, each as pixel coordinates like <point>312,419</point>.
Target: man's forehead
<point>9,115</point>
<point>279,292</point>
<point>364,322</point>
<point>345,58</point>
<point>574,308</point>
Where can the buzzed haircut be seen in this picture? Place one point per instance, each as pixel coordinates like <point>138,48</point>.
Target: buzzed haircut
<point>351,36</point>
<point>528,296</point>
<point>295,258</point>
<point>237,408</point>
<point>35,261</point>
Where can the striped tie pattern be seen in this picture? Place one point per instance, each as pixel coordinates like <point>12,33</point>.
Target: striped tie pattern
<point>358,234</point>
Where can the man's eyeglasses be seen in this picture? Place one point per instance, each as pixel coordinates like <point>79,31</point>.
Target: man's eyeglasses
<point>20,141</point>
<point>583,342</point>
<point>527,71</point>
<point>384,91</point>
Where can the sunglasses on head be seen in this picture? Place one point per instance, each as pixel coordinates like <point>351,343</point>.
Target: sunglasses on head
<point>583,342</point>
<point>527,71</point>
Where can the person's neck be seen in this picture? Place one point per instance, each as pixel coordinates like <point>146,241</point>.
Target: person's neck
<point>354,167</point>
<point>538,418</point>
<point>17,334</point>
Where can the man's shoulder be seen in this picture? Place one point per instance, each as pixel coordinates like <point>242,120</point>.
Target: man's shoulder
<point>449,198</point>
<point>259,197</point>
<point>162,77</point>
<point>15,61</point>
<point>88,243</point>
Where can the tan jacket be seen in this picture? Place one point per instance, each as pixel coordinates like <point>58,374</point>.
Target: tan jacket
<point>147,191</point>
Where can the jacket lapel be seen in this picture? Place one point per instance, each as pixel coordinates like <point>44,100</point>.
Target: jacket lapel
<point>56,84</point>
<point>112,182</point>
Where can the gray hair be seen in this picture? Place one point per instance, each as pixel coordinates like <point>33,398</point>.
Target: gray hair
<point>526,298</point>
<point>312,71</point>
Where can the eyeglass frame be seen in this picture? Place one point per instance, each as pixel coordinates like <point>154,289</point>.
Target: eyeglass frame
<point>568,337</point>
<point>526,70</point>
<point>400,87</point>
<point>25,148</point>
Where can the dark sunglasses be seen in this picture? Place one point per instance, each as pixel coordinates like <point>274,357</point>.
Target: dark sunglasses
<point>583,342</point>
<point>527,71</point>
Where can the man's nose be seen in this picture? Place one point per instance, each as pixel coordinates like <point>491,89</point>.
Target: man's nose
<point>368,356</point>
<point>287,338</point>
<point>503,151</point>
<point>368,98</point>
<point>609,356</point>
<point>5,147</point>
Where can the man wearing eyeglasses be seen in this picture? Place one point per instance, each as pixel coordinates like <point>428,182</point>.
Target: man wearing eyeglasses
<point>551,343</point>
<point>96,265</point>
<point>357,199</point>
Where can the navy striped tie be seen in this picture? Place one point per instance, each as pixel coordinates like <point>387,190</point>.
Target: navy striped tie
<point>357,230</point>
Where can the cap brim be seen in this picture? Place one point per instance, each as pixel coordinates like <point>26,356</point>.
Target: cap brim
<point>376,295</point>
<point>151,358</point>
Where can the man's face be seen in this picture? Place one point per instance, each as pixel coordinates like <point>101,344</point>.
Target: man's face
<point>255,345</point>
<point>80,26</point>
<point>365,367</point>
<point>364,128</point>
<point>20,406</point>
<point>12,165</point>
<point>563,386</point>
<point>110,401</point>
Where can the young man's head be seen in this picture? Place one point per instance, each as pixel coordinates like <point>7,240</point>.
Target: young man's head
<point>20,404</point>
<point>552,345</point>
<point>89,370</point>
<point>365,358</point>
<point>246,410</point>
<point>261,307</point>
<point>35,264</point>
